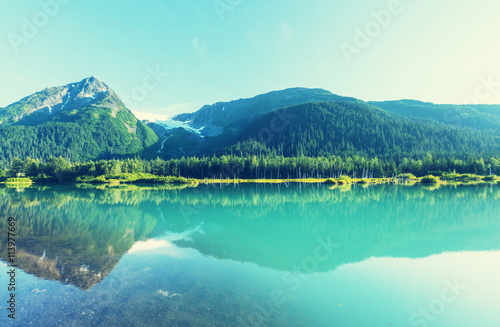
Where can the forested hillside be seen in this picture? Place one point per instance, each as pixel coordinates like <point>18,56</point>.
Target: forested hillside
<point>79,122</point>
<point>340,128</point>
<point>474,116</point>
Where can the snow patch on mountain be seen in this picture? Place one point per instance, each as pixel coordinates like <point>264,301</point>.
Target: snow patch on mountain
<point>168,122</point>
<point>67,100</point>
<point>173,124</point>
<point>163,144</point>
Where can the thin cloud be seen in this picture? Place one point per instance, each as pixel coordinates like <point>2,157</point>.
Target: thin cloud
<point>200,48</point>
<point>286,32</point>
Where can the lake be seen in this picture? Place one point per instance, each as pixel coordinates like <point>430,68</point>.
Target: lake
<point>254,255</point>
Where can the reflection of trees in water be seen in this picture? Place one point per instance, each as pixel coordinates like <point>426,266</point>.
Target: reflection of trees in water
<point>310,202</point>
<point>67,237</point>
<point>266,224</point>
<point>84,232</point>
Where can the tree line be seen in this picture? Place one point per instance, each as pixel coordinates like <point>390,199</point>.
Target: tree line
<point>249,167</point>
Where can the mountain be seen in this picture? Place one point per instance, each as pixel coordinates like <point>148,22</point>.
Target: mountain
<point>475,116</point>
<point>351,128</point>
<point>217,118</point>
<point>68,237</point>
<point>331,124</point>
<point>87,120</point>
<point>215,126</point>
<point>79,121</point>
<point>51,101</point>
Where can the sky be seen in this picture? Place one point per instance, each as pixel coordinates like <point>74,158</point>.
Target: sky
<point>173,56</point>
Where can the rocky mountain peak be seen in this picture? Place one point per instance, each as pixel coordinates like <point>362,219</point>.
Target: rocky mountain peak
<point>55,99</point>
<point>91,87</point>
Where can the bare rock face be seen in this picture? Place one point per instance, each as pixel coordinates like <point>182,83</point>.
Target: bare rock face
<point>55,99</point>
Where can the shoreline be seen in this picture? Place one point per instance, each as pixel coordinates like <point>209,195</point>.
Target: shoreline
<point>343,181</point>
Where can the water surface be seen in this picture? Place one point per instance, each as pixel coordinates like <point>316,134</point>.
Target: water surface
<point>263,255</point>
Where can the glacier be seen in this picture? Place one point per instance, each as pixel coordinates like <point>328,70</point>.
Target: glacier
<point>168,122</point>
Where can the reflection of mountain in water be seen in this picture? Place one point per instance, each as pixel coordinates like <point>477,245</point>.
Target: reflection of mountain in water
<point>280,227</point>
<point>62,235</point>
<point>77,236</point>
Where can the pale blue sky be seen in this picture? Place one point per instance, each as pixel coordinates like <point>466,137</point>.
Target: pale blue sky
<point>429,50</point>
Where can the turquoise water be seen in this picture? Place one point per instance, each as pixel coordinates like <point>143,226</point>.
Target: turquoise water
<point>255,255</point>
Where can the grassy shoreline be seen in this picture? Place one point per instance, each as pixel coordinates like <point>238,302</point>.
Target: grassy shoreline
<point>445,179</point>
<point>365,181</point>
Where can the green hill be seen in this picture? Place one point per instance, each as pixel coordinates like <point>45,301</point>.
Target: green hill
<point>79,121</point>
<point>474,116</point>
<point>346,128</point>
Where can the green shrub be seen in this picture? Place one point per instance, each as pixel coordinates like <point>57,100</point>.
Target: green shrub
<point>85,179</point>
<point>178,180</point>
<point>99,179</point>
<point>470,177</point>
<point>430,179</point>
<point>491,178</point>
<point>331,181</point>
<point>18,180</point>
<point>461,177</point>
<point>344,180</point>
<point>407,176</point>
<point>451,176</point>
